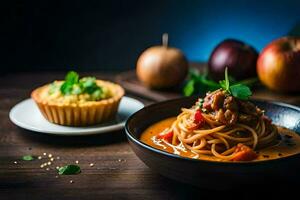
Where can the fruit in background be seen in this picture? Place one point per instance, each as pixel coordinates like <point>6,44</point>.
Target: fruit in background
<point>278,65</point>
<point>239,57</point>
<point>162,67</point>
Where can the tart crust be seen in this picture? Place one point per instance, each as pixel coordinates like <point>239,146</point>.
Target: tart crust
<point>80,114</point>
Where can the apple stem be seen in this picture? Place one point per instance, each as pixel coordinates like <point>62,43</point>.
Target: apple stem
<point>165,38</point>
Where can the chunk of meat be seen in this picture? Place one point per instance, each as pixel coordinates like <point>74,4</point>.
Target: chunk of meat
<point>230,103</point>
<point>228,117</point>
<point>243,153</point>
<point>247,108</point>
<point>214,101</point>
<point>218,100</point>
<point>231,117</point>
<point>220,117</point>
<point>207,102</point>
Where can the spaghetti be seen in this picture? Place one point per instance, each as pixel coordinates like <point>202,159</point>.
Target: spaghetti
<point>220,126</point>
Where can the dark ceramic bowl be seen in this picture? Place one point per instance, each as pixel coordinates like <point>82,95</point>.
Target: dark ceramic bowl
<point>211,174</point>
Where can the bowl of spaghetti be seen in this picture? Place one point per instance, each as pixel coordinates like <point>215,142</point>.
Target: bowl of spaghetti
<point>218,141</point>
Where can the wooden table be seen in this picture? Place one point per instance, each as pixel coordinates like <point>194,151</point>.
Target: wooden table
<point>117,173</point>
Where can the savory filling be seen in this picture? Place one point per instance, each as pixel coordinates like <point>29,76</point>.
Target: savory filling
<point>75,90</point>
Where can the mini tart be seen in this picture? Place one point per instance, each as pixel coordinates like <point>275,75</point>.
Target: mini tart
<point>79,113</point>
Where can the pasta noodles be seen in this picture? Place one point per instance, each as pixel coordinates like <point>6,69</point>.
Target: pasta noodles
<point>217,139</point>
<point>221,126</point>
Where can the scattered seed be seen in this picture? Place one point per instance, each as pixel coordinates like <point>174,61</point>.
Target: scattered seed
<point>47,169</point>
<point>56,176</point>
<point>48,163</point>
<point>121,160</point>
<point>57,167</point>
<point>52,159</point>
<point>71,181</point>
<point>76,161</point>
<point>40,157</point>
<point>91,164</point>
<point>111,168</point>
<point>57,157</point>
<point>44,154</point>
<point>15,162</point>
<point>50,155</point>
<point>42,165</point>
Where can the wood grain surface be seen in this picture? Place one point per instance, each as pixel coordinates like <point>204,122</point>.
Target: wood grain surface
<point>117,173</point>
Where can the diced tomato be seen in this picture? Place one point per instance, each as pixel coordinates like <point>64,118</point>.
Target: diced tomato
<point>243,153</point>
<point>198,118</point>
<point>166,136</point>
<point>198,121</point>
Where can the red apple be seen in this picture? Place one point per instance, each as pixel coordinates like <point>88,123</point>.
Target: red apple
<point>278,65</point>
<point>239,57</point>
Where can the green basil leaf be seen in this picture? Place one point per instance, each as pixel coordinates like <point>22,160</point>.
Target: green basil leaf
<point>227,80</point>
<point>222,84</point>
<point>69,170</point>
<point>74,85</point>
<point>28,157</point>
<point>189,88</point>
<point>240,91</point>
<point>208,82</point>
<point>66,88</point>
<point>72,77</point>
<point>201,83</point>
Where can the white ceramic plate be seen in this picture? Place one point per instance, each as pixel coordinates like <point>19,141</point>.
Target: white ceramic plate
<point>27,115</point>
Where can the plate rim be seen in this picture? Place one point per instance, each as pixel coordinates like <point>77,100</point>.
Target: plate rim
<point>91,131</point>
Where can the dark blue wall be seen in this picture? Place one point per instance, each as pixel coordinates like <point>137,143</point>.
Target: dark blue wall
<point>109,35</point>
<point>201,25</point>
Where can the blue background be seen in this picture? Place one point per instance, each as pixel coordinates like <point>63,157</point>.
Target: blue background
<point>200,26</point>
<point>110,35</point>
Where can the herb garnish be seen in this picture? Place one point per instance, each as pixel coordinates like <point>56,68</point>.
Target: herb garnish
<point>202,83</point>
<point>69,170</point>
<point>199,84</point>
<point>200,103</point>
<point>239,90</point>
<point>28,157</point>
<point>74,85</point>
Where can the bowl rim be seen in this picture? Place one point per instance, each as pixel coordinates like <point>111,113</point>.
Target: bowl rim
<point>227,163</point>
